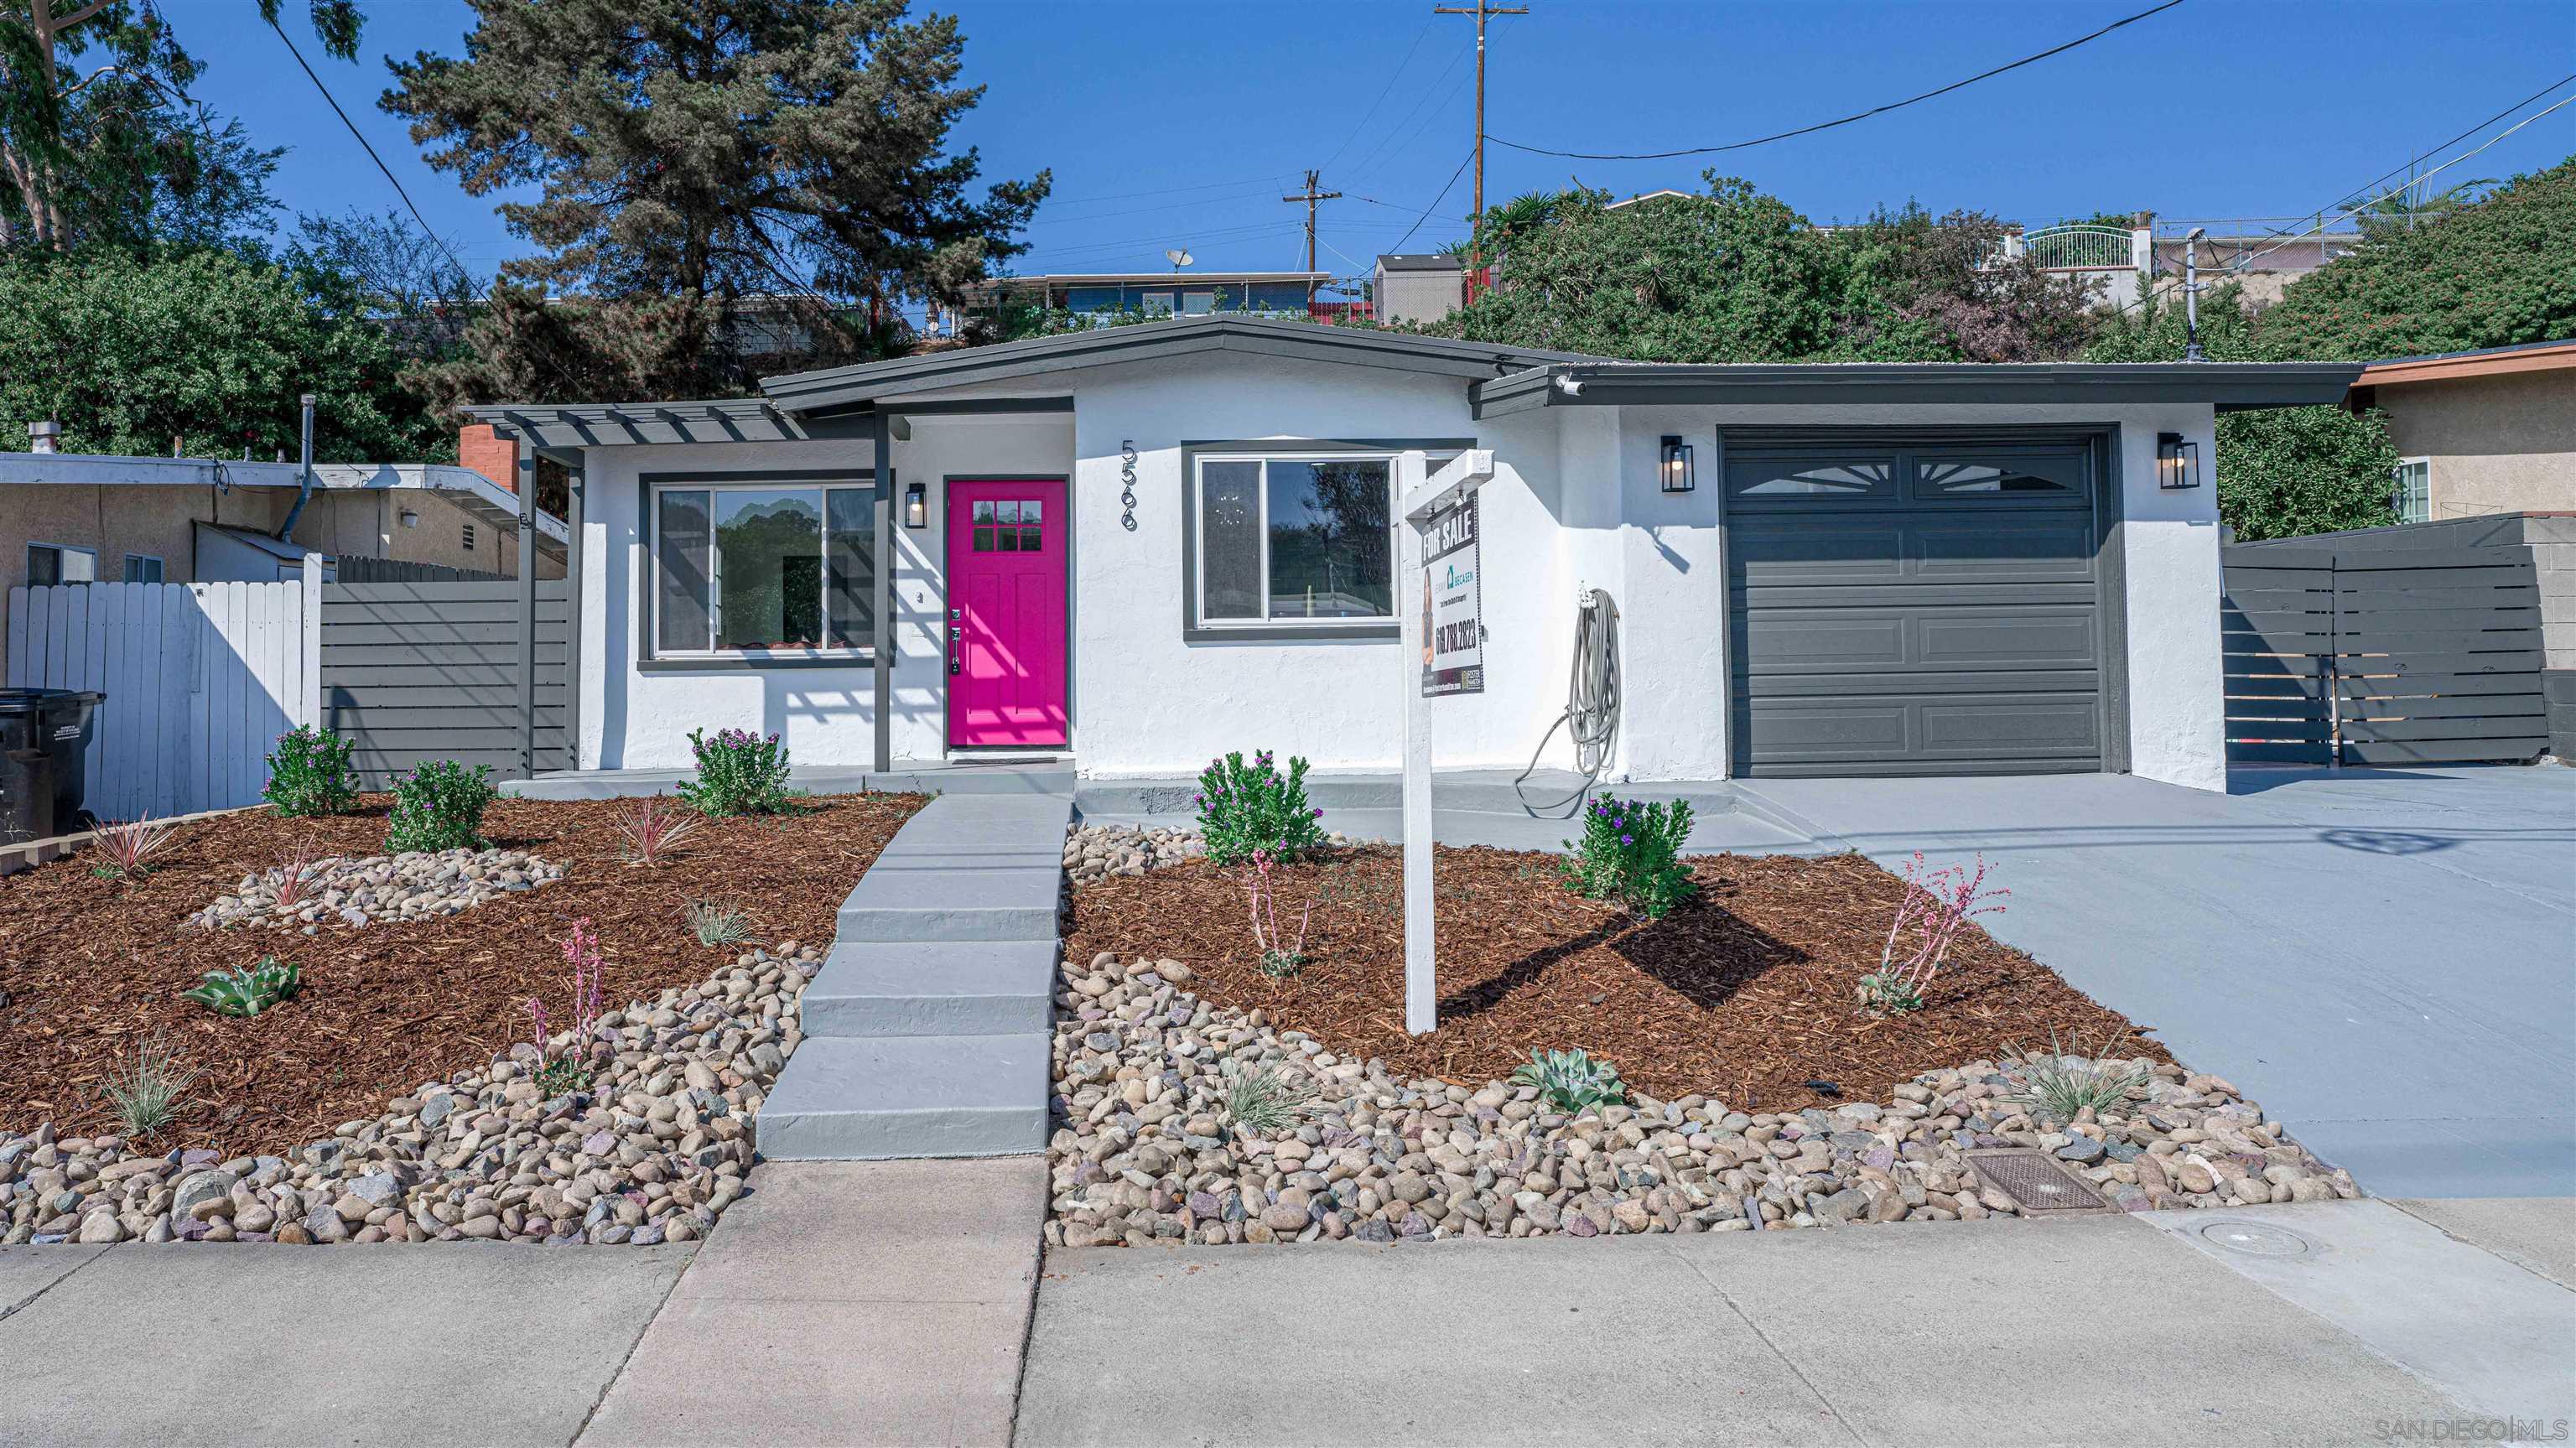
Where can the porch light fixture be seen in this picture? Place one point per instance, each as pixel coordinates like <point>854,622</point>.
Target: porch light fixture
<point>1677,474</point>
<point>916,505</point>
<point>2177,461</point>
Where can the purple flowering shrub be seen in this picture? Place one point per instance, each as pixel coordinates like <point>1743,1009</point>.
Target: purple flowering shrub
<point>1244,808</point>
<point>739,773</point>
<point>1631,853</point>
<point>310,774</point>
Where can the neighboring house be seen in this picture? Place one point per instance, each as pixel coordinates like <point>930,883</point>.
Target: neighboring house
<point>1144,546</point>
<point>1152,294</point>
<point>2490,431</point>
<point>86,518</point>
<point>1419,288</point>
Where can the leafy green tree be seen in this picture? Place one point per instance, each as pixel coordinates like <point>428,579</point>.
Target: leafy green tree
<point>208,347</point>
<point>1919,288</point>
<point>2281,472</point>
<point>100,145</point>
<point>704,168</point>
<point>2494,274</point>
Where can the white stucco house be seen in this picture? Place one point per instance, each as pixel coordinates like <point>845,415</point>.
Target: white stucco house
<point>1143,546</point>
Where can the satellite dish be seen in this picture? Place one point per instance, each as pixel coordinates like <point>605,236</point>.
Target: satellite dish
<point>1179,257</point>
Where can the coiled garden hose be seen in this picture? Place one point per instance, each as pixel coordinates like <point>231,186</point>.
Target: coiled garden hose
<point>1591,717</point>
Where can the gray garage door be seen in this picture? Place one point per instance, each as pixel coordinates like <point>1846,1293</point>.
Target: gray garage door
<point>1925,606</point>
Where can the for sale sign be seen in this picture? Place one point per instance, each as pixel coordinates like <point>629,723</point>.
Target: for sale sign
<point>1453,635</point>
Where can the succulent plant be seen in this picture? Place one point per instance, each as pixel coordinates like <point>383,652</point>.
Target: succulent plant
<point>1571,1081</point>
<point>239,992</point>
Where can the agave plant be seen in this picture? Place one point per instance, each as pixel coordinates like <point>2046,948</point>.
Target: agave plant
<point>650,827</point>
<point>239,992</point>
<point>1571,1081</point>
<point>122,848</point>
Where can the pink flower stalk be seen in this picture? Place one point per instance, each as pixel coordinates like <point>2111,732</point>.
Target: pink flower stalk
<point>537,1019</point>
<point>1938,905</point>
<point>581,952</point>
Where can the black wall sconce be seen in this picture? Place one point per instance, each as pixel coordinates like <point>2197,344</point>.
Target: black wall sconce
<point>2177,461</point>
<point>1676,474</point>
<point>916,505</point>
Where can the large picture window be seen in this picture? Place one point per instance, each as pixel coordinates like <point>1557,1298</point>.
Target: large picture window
<point>1302,539</point>
<point>763,568</point>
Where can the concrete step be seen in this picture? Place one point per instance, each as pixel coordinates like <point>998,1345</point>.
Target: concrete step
<point>870,1098</point>
<point>932,988</point>
<point>972,868</point>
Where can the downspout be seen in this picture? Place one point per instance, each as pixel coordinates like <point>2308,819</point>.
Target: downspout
<point>286,530</point>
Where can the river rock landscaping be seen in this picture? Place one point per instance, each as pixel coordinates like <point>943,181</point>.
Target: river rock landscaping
<point>398,1095</point>
<point>1201,1096</point>
<point>1151,1082</point>
<point>360,892</point>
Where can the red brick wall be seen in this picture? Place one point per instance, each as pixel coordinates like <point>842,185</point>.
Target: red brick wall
<point>495,457</point>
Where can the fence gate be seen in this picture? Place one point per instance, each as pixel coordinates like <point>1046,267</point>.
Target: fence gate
<point>429,668</point>
<point>2378,656</point>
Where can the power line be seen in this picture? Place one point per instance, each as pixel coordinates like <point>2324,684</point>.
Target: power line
<point>1846,120</point>
<point>1435,201</point>
<point>1264,182</point>
<point>1388,90</point>
<point>1369,159</point>
<point>434,238</point>
<point>2464,135</point>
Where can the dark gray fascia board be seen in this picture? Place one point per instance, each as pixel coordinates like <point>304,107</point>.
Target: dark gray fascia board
<point>2228,386</point>
<point>571,425</point>
<point>843,387</point>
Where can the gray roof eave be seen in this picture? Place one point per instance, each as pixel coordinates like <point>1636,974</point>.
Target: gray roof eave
<point>579,425</point>
<point>2227,386</point>
<point>1042,358</point>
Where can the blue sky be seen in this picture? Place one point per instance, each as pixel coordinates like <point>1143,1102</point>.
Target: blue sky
<point>1182,124</point>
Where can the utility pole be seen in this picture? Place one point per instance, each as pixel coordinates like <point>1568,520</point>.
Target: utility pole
<point>1476,213</point>
<point>1310,196</point>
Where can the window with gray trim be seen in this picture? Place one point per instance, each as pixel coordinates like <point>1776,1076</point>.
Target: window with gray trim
<point>762,568</point>
<point>1302,538</point>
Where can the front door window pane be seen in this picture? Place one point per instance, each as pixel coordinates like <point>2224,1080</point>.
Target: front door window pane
<point>769,552</point>
<point>1328,540</point>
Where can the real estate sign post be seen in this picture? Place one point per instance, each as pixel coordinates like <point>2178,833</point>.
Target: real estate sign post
<point>1438,563</point>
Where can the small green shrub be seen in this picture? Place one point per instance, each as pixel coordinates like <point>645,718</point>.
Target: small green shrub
<point>1245,808</point>
<point>716,924</point>
<point>1571,1081</point>
<point>239,992</point>
<point>439,806</point>
<point>1889,994</point>
<point>1266,1101</point>
<point>2061,1083</point>
<point>310,774</point>
<point>562,1077</point>
<point>739,773</point>
<point>146,1093</point>
<point>1631,853</point>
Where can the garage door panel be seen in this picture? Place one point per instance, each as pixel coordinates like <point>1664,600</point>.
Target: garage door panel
<point>1950,624</point>
<point>1841,639</point>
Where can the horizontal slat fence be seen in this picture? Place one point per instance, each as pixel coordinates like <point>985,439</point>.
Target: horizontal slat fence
<point>392,570</point>
<point>200,680</point>
<point>2381,656</point>
<point>429,669</point>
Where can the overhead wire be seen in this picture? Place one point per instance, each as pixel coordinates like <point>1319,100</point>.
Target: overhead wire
<point>1844,120</point>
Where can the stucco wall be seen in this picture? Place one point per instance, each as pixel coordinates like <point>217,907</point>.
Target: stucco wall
<point>1574,504</point>
<point>2501,444</point>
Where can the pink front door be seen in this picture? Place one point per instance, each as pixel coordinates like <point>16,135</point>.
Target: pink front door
<point>1006,644</point>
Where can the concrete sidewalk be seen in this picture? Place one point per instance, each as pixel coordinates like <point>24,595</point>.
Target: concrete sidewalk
<point>2080,1331</point>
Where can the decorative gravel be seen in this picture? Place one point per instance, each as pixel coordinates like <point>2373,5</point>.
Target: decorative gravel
<point>653,1151</point>
<point>1145,1150</point>
<point>1096,852</point>
<point>418,885</point>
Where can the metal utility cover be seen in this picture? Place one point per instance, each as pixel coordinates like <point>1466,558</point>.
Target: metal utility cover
<point>2035,1182</point>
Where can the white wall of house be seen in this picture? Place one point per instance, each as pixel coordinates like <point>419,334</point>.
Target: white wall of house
<point>1574,504</point>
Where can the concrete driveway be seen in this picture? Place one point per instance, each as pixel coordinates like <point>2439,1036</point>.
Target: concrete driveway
<point>2386,959</point>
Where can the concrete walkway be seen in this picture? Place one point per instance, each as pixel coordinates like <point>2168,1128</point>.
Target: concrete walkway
<point>2083,1331</point>
<point>2386,959</point>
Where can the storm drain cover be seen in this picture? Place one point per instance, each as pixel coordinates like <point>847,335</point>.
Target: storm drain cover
<point>2255,1239</point>
<point>2035,1182</point>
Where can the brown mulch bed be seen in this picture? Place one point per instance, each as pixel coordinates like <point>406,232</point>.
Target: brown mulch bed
<point>1744,994</point>
<point>91,967</point>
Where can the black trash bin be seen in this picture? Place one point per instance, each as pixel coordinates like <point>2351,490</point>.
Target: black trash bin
<point>60,725</point>
<point>26,776</point>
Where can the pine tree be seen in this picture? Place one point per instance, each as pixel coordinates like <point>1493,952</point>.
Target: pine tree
<point>724,186</point>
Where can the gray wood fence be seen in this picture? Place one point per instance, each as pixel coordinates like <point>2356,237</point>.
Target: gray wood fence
<point>423,670</point>
<point>2372,656</point>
